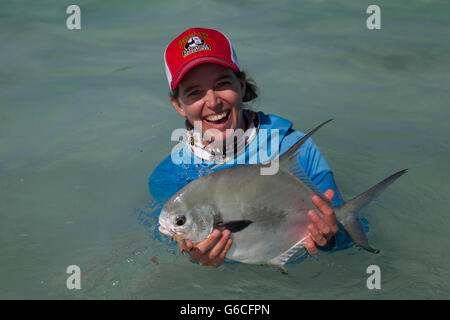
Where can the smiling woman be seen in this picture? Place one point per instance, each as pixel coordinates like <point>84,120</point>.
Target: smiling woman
<point>208,89</point>
<point>211,95</point>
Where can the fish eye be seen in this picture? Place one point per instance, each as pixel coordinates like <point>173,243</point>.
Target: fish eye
<point>179,221</point>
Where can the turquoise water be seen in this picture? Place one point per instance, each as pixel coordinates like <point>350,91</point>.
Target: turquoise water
<point>85,118</point>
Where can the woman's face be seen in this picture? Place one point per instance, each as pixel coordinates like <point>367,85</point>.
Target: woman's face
<point>211,95</point>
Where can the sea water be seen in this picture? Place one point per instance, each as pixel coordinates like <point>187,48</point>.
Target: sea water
<point>85,118</point>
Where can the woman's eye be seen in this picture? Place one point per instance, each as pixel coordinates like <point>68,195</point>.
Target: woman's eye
<point>179,221</point>
<point>193,93</point>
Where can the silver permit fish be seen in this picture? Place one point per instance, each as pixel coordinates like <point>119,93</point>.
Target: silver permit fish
<point>266,214</point>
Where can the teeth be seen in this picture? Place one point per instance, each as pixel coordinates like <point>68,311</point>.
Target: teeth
<point>216,117</point>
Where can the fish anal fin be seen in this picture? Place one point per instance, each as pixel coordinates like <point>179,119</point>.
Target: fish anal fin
<point>279,267</point>
<point>280,261</point>
<point>234,225</point>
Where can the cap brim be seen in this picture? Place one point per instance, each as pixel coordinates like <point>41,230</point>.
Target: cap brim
<point>193,63</point>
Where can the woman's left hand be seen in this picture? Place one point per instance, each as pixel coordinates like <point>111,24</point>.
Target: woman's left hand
<point>324,226</point>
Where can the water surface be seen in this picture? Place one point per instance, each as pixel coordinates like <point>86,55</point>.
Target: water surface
<point>85,118</point>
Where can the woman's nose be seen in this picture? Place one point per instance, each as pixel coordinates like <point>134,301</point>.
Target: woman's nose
<point>211,98</point>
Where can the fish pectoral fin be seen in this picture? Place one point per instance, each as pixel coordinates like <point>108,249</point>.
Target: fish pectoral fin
<point>234,225</point>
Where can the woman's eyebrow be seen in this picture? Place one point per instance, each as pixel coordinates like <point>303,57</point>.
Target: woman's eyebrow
<point>222,77</point>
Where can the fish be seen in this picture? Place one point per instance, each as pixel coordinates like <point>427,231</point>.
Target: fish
<point>266,214</point>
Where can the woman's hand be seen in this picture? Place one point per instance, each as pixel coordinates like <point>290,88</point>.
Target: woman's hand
<point>324,227</point>
<point>212,250</point>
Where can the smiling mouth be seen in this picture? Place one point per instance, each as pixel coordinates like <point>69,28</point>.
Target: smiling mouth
<point>218,118</point>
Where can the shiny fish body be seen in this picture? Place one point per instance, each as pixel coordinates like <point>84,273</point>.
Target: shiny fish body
<point>276,205</point>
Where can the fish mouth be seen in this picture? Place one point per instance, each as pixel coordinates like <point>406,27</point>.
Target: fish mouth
<point>165,231</point>
<point>172,234</point>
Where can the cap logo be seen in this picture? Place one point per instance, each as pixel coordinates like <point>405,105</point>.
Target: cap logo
<point>196,46</point>
<point>194,43</point>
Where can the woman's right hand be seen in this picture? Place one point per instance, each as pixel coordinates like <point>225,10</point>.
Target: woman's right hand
<point>212,250</point>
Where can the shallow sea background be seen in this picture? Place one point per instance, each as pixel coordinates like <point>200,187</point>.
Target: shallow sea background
<point>85,118</point>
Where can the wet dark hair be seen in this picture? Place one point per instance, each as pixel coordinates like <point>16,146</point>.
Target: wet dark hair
<point>251,89</point>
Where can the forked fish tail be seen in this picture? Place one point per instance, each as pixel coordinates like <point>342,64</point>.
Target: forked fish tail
<point>348,213</point>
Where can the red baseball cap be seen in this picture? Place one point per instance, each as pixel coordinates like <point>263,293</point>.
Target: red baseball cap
<point>195,46</point>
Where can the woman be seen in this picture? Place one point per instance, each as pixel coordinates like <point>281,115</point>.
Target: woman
<point>208,89</point>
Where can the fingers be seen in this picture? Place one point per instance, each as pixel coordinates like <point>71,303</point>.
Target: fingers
<point>320,226</point>
<point>218,248</point>
<point>329,194</point>
<point>327,212</point>
<point>221,257</point>
<point>323,226</point>
<point>197,251</point>
<point>317,236</point>
<point>211,251</point>
<point>319,231</point>
<point>209,242</point>
<point>310,246</point>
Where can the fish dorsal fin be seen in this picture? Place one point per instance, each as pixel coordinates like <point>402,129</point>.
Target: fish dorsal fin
<point>293,151</point>
<point>289,161</point>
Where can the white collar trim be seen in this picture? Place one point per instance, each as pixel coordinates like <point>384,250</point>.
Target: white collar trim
<point>215,155</point>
